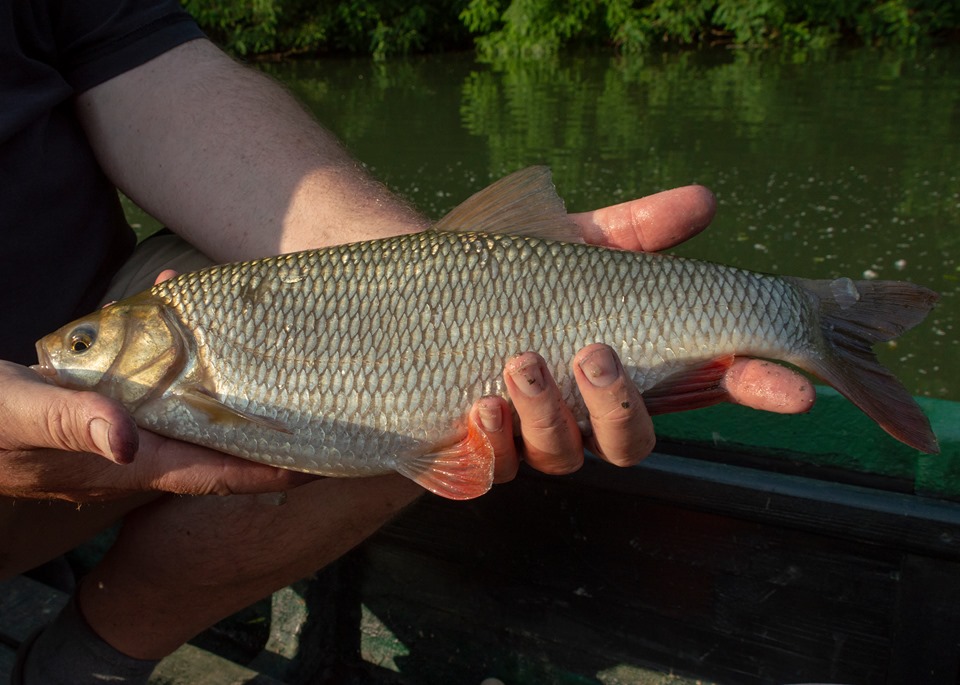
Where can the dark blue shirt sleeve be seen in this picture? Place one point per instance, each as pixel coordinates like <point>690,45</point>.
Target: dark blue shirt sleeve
<point>62,231</point>
<point>98,40</point>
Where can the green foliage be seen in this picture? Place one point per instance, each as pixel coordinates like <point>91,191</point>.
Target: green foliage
<point>531,28</point>
<point>888,22</point>
<point>380,28</point>
<point>673,21</point>
<point>538,28</point>
<point>750,22</point>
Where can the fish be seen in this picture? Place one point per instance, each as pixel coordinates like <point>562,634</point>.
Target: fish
<point>365,358</point>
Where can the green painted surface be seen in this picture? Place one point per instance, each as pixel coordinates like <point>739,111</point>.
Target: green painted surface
<point>378,644</point>
<point>833,433</point>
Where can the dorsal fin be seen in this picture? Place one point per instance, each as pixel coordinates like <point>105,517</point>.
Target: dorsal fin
<point>523,203</point>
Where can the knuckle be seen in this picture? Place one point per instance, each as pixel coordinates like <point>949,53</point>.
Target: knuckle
<point>549,423</point>
<point>620,409</point>
<point>547,415</point>
<point>67,419</point>
<point>191,485</point>
<point>62,421</point>
<point>617,417</point>
<point>624,433</point>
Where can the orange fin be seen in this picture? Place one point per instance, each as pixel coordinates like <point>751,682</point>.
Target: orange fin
<point>692,388</point>
<point>462,470</point>
<point>200,400</point>
<point>523,203</point>
<point>854,315</point>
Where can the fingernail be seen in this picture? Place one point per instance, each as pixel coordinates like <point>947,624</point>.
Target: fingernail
<point>490,417</point>
<point>600,368</point>
<point>529,379</point>
<point>100,430</point>
<point>100,434</point>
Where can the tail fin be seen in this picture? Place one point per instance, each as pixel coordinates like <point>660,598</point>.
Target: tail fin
<point>855,315</point>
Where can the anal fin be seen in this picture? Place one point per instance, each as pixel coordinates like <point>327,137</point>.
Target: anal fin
<point>694,388</point>
<point>460,470</point>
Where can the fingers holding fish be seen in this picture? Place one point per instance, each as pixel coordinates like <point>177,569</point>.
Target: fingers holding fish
<point>162,465</point>
<point>493,415</point>
<point>622,432</point>
<point>37,415</point>
<point>165,275</point>
<point>761,384</point>
<point>80,446</point>
<point>549,433</point>
<point>167,465</point>
<point>651,223</point>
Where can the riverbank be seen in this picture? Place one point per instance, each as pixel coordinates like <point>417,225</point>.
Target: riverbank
<point>535,28</point>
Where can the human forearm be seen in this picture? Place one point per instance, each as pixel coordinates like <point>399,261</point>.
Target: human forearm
<point>228,159</point>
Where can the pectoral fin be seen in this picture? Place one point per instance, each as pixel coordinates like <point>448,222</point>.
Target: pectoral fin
<point>201,401</point>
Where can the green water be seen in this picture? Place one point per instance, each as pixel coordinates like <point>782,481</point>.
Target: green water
<point>842,163</point>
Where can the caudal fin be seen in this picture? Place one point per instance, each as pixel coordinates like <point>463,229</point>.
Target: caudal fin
<point>855,315</point>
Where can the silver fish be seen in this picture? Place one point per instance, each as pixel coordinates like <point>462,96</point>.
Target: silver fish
<point>365,358</point>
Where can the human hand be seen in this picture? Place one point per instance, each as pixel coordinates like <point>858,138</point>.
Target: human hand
<point>81,446</point>
<point>621,431</point>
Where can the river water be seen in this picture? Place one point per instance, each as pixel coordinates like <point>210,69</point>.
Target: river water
<point>843,163</point>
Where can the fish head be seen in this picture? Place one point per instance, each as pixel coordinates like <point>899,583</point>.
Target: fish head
<point>130,350</point>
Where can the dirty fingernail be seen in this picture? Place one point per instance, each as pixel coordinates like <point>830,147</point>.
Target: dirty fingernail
<point>600,368</point>
<point>111,442</point>
<point>529,379</point>
<point>490,416</point>
<point>100,434</point>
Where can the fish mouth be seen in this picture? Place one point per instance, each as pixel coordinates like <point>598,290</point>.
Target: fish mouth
<point>45,368</point>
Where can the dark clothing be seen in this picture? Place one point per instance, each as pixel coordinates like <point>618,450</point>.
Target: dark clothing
<point>62,231</point>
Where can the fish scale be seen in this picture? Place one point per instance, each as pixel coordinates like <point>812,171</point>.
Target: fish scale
<point>366,358</point>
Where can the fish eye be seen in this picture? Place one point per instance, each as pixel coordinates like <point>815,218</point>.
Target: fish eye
<point>82,339</point>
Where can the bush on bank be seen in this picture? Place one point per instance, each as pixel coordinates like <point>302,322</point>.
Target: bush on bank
<point>541,27</point>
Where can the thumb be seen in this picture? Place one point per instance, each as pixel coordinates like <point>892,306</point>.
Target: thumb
<point>35,415</point>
